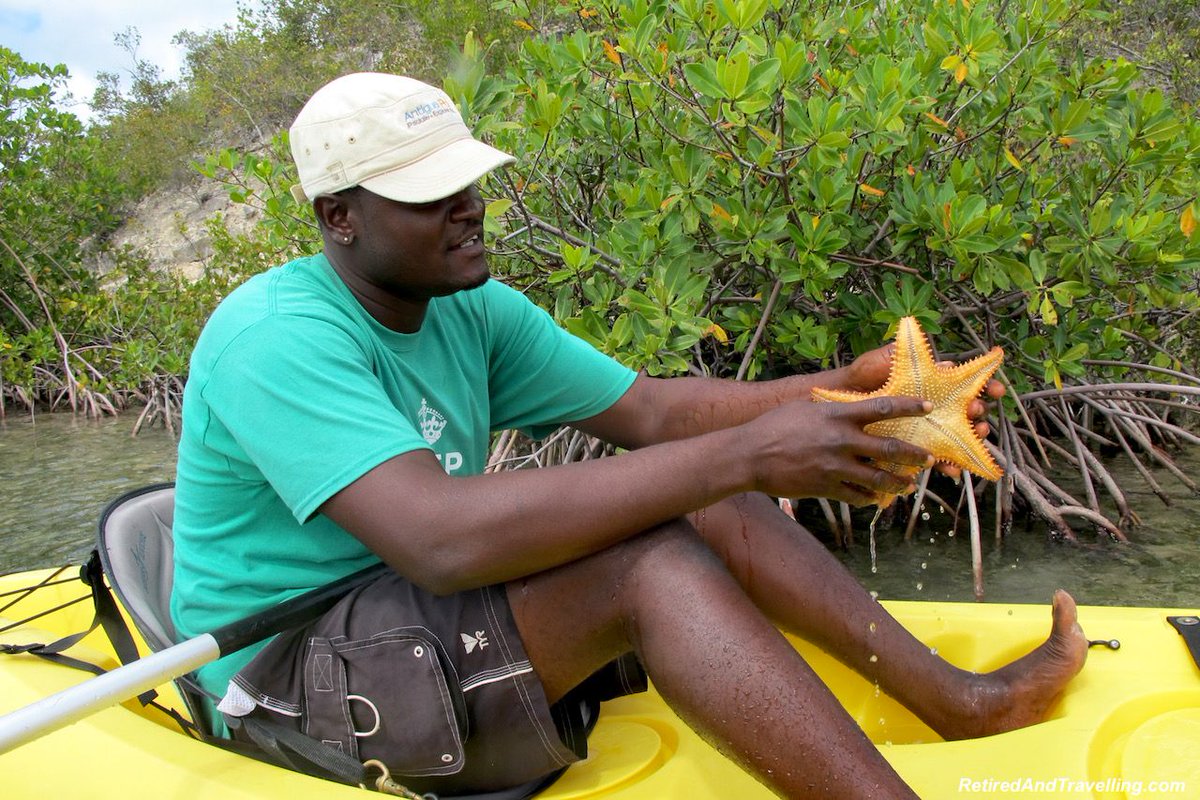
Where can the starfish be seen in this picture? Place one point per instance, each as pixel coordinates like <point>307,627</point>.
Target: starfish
<point>946,431</point>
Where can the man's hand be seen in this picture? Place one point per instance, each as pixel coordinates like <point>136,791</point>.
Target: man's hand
<point>808,449</point>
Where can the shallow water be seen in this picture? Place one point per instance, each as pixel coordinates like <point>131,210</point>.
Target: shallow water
<point>1159,567</point>
<point>58,472</point>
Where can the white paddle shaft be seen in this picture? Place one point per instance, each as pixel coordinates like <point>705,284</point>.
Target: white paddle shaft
<point>73,704</point>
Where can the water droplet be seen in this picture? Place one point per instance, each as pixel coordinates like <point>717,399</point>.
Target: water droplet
<point>874,568</point>
<point>871,627</point>
<point>877,690</point>
<point>882,722</point>
<point>874,658</point>
<point>925,515</point>
<point>924,565</point>
<point>950,534</point>
<point>875,597</point>
<point>874,519</point>
<point>920,586</point>
<point>931,541</point>
<point>933,651</point>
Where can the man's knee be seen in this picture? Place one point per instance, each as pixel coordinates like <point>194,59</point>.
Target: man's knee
<point>667,553</point>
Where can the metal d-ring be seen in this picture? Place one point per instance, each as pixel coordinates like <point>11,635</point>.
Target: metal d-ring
<point>375,729</point>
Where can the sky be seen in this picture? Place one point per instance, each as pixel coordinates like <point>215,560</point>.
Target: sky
<point>80,34</point>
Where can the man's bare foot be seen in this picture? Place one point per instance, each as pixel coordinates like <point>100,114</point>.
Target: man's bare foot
<point>1020,693</point>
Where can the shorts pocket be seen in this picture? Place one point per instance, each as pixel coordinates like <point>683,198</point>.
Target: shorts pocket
<point>393,697</point>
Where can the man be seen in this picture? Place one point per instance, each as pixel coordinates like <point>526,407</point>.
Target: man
<point>338,411</point>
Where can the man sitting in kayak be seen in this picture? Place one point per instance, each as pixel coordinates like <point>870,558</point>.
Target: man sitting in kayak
<point>338,411</point>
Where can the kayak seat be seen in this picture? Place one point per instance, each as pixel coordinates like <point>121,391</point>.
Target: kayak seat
<point>136,548</point>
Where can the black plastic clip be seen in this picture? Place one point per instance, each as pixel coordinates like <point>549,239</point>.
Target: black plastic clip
<point>1189,629</point>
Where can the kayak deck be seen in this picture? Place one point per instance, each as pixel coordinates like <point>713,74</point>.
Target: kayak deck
<point>1131,718</point>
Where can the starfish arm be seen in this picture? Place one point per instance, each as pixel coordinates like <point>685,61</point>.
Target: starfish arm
<point>913,365</point>
<point>843,395</point>
<point>952,439</point>
<point>967,380</point>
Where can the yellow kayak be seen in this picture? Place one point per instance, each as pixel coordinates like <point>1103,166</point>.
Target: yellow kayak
<point>1128,726</point>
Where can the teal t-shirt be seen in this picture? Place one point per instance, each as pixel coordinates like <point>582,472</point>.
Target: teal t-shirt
<point>294,392</point>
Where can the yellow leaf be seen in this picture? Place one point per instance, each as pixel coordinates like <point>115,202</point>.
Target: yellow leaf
<point>951,61</point>
<point>946,217</point>
<point>1067,141</point>
<point>960,74</point>
<point>871,190</point>
<point>1049,312</point>
<point>912,171</point>
<point>721,214</point>
<point>1008,155</point>
<point>523,25</point>
<point>586,13</point>
<point>816,221</point>
<point>717,332</point>
<point>610,52</point>
<point>670,201</point>
<point>824,83</point>
<point>937,119</point>
<point>767,136</point>
<point>1187,222</point>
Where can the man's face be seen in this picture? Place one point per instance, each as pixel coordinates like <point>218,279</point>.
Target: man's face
<point>416,252</point>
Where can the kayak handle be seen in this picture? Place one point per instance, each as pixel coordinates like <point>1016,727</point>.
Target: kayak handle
<point>1111,644</point>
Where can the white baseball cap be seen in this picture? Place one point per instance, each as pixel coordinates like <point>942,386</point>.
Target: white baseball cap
<point>394,136</point>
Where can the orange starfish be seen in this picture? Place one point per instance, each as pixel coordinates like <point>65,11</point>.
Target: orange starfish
<point>946,431</point>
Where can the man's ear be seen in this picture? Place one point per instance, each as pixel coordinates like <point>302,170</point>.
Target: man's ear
<point>333,213</point>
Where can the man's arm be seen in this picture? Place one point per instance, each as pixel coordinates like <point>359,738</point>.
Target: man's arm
<point>450,533</point>
<point>665,409</point>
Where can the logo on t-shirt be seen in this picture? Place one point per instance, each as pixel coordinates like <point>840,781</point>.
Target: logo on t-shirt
<point>431,421</point>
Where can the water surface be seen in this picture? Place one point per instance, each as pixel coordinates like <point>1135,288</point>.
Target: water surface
<point>58,471</point>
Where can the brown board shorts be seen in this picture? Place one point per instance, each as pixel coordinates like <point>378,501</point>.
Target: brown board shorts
<point>438,688</point>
